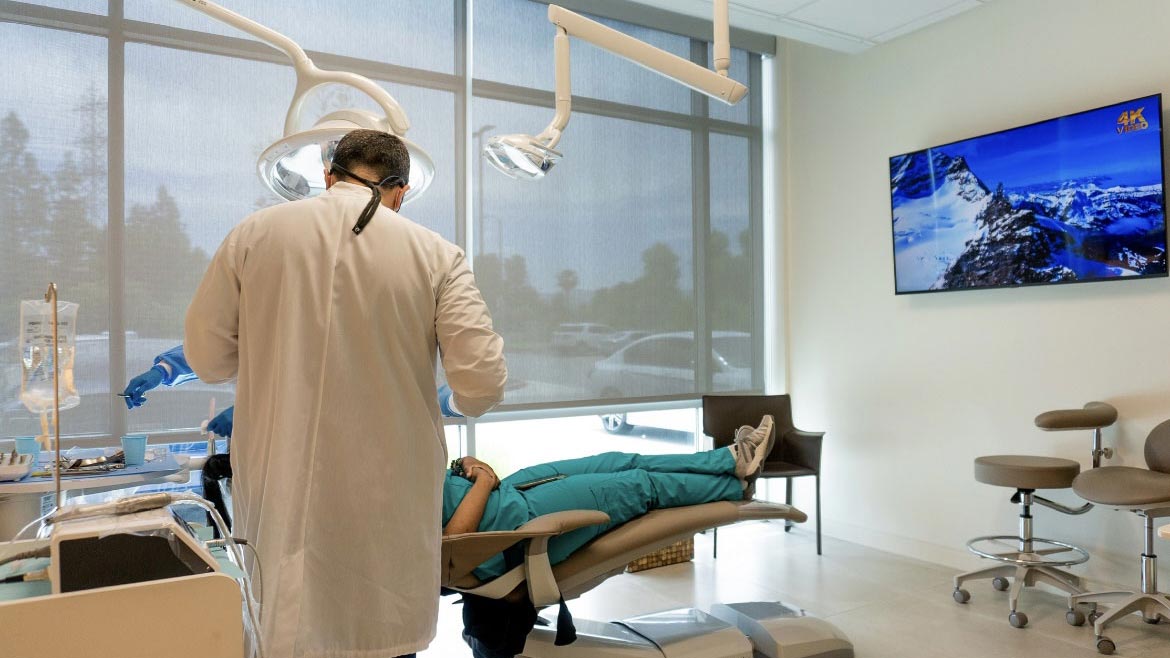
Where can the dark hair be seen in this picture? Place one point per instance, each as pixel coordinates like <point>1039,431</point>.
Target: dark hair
<point>382,152</point>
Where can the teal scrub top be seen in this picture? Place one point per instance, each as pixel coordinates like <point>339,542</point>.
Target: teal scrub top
<point>506,509</point>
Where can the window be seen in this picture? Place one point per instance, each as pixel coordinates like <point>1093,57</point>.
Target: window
<point>90,6</point>
<point>53,209</point>
<point>509,446</point>
<point>628,275</point>
<point>190,178</point>
<point>366,32</point>
<point>732,259</point>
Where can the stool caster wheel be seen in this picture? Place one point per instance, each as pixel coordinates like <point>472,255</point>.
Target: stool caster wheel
<point>1000,583</point>
<point>1157,619</point>
<point>961,595</point>
<point>1018,619</point>
<point>1075,618</point>
<point>1105,646</point>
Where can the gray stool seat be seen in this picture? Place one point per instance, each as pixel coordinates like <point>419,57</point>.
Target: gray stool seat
<point>1026,471</point>
<point>1123,485</point>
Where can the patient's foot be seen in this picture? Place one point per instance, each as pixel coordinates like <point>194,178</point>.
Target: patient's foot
<point>744,458</point>
<point>761,438</point>
<point>753,444</point>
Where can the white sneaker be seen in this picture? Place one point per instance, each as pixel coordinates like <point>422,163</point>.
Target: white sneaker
<point>744,458</point>
<point>755,445</point>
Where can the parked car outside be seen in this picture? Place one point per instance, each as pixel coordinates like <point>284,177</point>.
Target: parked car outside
<point>620,339</point>
<point>581,337</point>
<point>650,422</point>
<point>664,364</point>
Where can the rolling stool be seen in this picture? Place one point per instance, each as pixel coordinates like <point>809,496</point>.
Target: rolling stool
<point>1146,492</point>
<point>1027,559</point>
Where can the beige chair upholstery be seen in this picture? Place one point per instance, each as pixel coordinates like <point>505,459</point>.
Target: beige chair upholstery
<point>1145,492</point>
<point>595,562</point>
<point>1093,416</point>
<point>1026,471</point>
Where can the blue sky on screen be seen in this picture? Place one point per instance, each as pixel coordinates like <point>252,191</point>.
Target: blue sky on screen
<point>1068,148</point>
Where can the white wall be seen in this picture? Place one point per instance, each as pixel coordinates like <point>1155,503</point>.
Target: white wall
<point>911,389</point>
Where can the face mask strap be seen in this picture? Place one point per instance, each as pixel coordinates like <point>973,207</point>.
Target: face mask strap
<point>375,196</point>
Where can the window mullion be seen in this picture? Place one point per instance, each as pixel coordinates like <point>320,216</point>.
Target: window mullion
<point>756,217</point>
<point>116,211</point>
<point>701,226</point>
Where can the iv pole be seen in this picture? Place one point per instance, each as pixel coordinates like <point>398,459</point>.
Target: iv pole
<point>51,297</point>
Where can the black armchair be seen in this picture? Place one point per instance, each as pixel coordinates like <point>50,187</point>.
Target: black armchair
<point>796,454</point>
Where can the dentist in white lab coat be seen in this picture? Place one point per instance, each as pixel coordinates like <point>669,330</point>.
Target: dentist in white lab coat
<point>328,312</point>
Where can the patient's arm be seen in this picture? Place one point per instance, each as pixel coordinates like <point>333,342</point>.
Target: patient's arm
<point>470,511</point>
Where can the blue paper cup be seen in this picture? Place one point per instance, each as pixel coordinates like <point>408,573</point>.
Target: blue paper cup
<point>134,447</point>
<point>27,445</point>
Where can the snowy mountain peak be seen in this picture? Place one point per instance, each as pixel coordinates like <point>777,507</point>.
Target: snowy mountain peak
<point>923,174</point>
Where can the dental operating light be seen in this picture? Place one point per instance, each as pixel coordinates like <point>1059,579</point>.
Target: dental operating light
<point>526,157</point>
<point>294,167</point>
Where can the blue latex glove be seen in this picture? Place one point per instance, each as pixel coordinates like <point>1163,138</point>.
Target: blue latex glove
<point>221,425</point>
<point>446,405</point>
<point>148,380</point>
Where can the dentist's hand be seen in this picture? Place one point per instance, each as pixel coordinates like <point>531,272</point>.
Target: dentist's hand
<point>221,425</point>
<point>148,380</point>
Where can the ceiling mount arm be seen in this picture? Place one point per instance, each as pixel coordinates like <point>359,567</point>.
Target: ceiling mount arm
<point>551,135</point>
<point>309,77</point>
<point>683,71</point>
<point>721,48</point>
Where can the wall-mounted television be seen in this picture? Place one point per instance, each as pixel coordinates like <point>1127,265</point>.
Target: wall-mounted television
<point>1072,199</point>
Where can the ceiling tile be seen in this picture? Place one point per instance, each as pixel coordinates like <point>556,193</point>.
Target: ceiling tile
<point>774,8</point>
<point>849,26</point>
<point>867,18</point>
<point>938,16</point>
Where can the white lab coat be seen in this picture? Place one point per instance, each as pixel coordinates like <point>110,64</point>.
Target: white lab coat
<point>338,452</point>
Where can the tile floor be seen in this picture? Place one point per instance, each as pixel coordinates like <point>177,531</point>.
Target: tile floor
<point>889,606</point>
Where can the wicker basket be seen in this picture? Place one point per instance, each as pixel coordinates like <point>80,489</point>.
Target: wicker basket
<point>676,553</point>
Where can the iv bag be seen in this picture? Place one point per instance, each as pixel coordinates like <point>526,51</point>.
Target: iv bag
<point>36,354</point>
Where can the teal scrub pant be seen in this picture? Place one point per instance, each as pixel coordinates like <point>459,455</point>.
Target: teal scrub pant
<point>626,486</point>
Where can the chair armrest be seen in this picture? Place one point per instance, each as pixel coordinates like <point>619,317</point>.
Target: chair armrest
<point>462,553</point>
<point>802,448</point>
<point>559,523</point>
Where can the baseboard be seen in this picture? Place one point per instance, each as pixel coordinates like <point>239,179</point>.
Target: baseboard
<point>948,556</point>
<point>1101,572</point>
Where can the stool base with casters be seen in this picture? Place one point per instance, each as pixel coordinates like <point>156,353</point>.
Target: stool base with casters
<point>1027,563</point>
<point>1153,605</point>
<point>1025,560</point>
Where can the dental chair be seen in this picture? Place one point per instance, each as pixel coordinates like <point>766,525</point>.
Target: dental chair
<point>738,630</point>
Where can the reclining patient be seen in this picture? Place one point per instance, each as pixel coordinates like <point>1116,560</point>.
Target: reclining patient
<point>624,486</point>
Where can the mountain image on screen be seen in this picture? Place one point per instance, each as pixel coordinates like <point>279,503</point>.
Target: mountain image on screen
<point>1073,199</point>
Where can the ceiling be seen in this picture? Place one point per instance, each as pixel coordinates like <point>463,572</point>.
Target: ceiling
<point>849,26</point>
